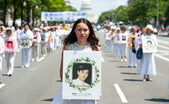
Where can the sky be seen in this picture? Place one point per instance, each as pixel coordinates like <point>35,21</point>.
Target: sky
<point>100,5</point>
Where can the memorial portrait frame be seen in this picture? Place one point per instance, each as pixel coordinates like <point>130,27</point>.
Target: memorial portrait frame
<point>70,90</point>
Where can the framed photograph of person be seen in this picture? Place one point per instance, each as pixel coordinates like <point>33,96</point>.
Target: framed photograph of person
<point>24,42</point>
<point>82,75</point>
<point>43,38</point>
<point>35,39</point>
<point>149,44</point>
<point>123,38</point>
<point>9,45</point>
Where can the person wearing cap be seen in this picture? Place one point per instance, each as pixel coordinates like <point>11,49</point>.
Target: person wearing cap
<point>113,34</point>
<point>123,46</point>
<point>116,42</point>
<point>44,39</point>
<point>10,49</point>
<point>17,32</point>
<point>2,49</point>
<point>58,37</point>
<point>132,63</point>
<point>2,28</point>
<point>54,38</point>
<point>50,43</point>
<point>108,40</point>
<point>138,41</point>
<point>26,51</point>
<point>148,66</point>
<point>35,45</point>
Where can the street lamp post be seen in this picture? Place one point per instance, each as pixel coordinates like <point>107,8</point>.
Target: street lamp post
<point>157,13</point>
<point>112,17</point>
<point>37,15</point>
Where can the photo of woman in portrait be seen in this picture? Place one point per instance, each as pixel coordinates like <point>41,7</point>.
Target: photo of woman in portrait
<point>82,74</point>
<point>9,44</point>
<point>149,43</point>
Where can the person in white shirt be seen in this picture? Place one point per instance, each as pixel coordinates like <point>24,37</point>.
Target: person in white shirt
<point>44,39</point>
<point>123,45</point>
<point>36,43</point>
<point>26,51</point>
<point>50,43</point>
<point>116,43</point>
<point>108,39</point>
<point>132,56</point>
<point>113,35</point>
<point>2,28</point>
<point>17,32</point>
<point>10,48</point>
<point>82,72</point>
<point>2,49</point>
<point>148,66</point>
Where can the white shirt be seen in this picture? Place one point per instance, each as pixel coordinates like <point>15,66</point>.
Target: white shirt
<point>108,35</point>
<point>2,46</point>
<point>78,82</point>
<point>37,39</point>
<point>28,33</point>
<point>44,36</point>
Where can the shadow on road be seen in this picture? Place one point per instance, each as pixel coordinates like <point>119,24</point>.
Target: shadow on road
<point>122,66</point>
<point>113,61</point>
<point>58,81</point>
<point>128,73</point>
<point>109,55</point>
<point>49,100</point>
<point>133,80</point>
<point>163,35</point>
<point>157,100</point>
<point>17,66</point>
<point>4,75</point>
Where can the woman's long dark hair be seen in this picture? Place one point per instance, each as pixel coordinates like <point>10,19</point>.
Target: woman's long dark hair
<point>92,39</point>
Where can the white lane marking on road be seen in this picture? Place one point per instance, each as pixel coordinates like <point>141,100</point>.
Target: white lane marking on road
<point>163,52</point>
<point>119,91</point>
<point>162,41</point>
<point>163,47</point>
<point>40,59</point>
<point>2,85</point>
<point>31,69</point>
<point>164,58</point>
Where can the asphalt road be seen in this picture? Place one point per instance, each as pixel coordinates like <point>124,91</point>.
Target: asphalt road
<point>120,84</point>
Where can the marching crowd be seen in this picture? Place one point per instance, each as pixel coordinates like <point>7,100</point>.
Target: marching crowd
<point>39,41</point>
<point>120,41</point>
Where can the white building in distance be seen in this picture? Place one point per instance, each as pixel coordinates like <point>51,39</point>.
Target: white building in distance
<point>87,7</point>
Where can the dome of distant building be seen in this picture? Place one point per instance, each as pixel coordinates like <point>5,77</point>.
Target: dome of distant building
<point>87,8</point>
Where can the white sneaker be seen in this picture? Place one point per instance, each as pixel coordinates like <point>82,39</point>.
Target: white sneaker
<point>27,66</point>
<point>125,60</point>
<point>121,60</point>
<point>33,60</point>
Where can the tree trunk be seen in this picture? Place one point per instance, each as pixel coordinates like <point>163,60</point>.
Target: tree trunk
<point>21,4</point>
<point>33,16</point>
<point>28,13</point>
<point>14,18</point>
<point>4,10</point>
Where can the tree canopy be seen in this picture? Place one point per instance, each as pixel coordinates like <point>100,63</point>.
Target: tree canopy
<point>140,12</point>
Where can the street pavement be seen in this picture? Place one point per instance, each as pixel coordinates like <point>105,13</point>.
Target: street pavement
<point>120,84</point>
